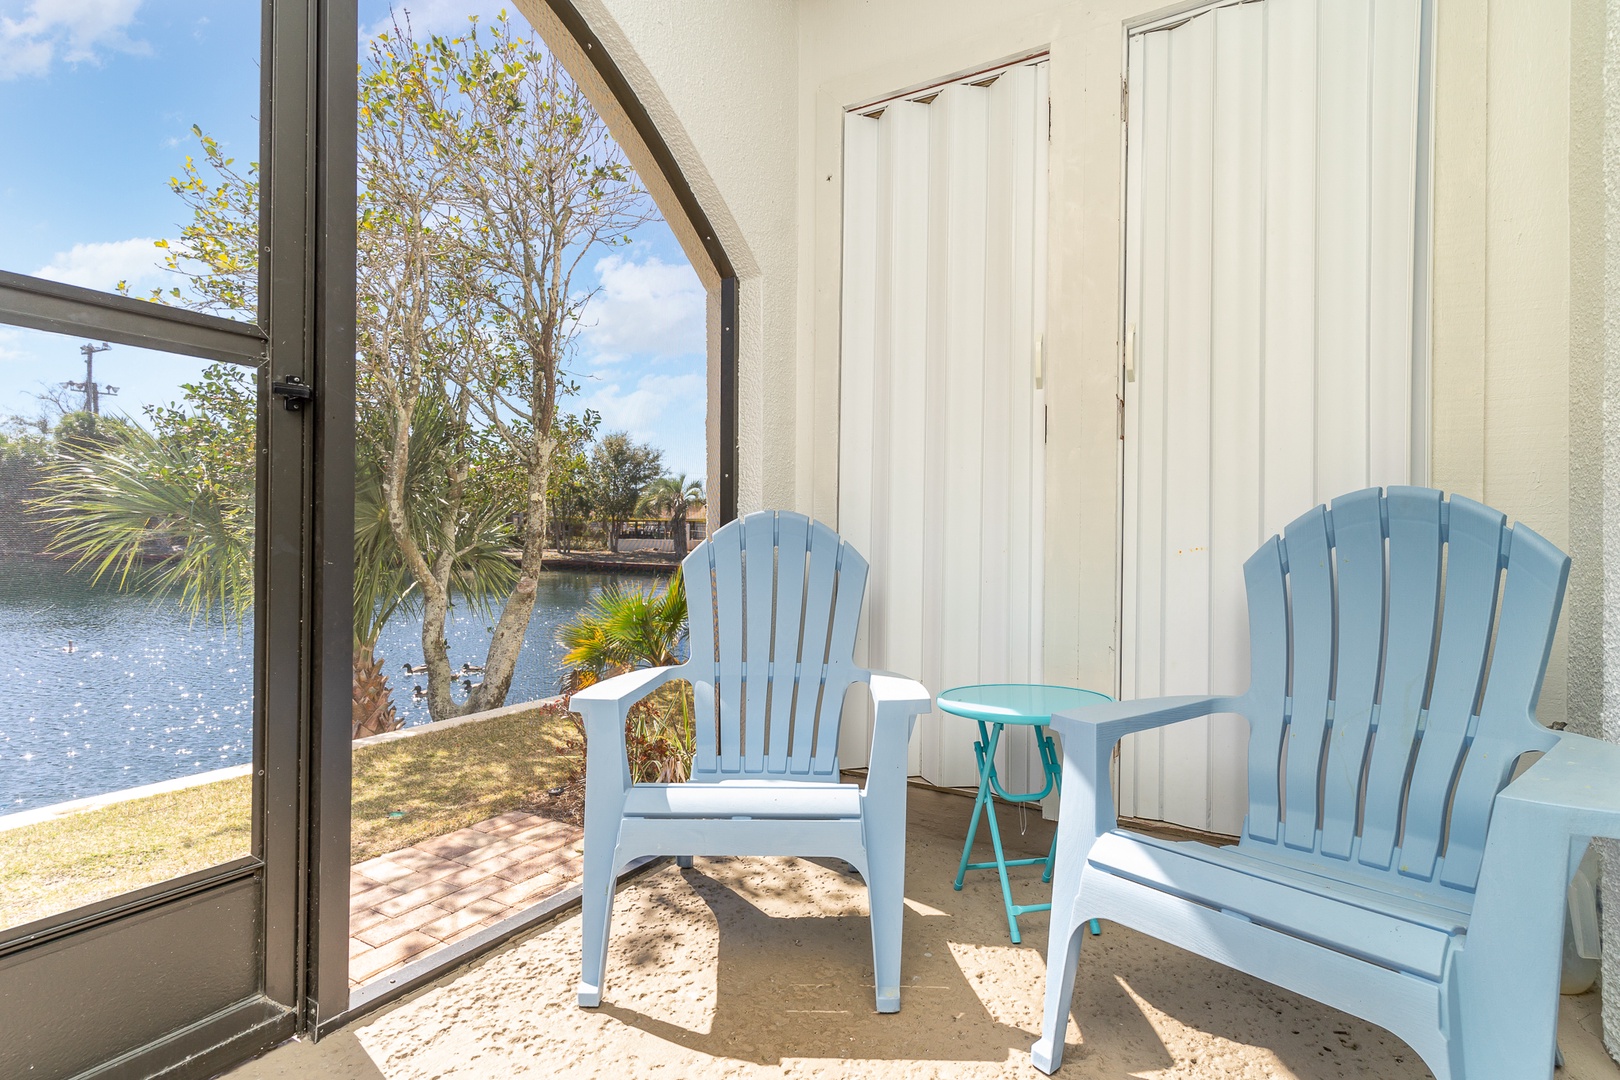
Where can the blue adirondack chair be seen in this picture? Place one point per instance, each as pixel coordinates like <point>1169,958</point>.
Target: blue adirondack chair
<point>1387,867</point>
<point>773,603</point>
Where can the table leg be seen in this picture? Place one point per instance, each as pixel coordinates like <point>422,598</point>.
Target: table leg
<point>978,807</point>
<point>988,767</point>
<point>984,750</point>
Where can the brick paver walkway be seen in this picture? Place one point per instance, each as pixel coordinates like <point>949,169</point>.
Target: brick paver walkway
<point>406,902</point>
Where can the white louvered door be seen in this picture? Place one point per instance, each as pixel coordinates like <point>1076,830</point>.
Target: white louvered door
<point>941,429</point>
<point>1271,191</point>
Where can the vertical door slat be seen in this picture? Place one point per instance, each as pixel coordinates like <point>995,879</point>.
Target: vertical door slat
<point>1341,270</point>
<point>1187,478</point>
<point>1238,283</point>
<point>857,375</point>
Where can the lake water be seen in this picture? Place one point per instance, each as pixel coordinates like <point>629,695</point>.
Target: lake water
<point>146,694</point>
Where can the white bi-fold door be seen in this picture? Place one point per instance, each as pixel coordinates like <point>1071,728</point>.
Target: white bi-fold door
<point>941,421</point>
<point>1273,197</point>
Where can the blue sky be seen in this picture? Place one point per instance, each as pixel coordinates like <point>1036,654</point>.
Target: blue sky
<point>97,100</point>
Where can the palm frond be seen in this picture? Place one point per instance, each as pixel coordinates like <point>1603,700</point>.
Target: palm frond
<point>151,515</point>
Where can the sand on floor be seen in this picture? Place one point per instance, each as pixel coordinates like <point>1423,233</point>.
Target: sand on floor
<point>762,968</point>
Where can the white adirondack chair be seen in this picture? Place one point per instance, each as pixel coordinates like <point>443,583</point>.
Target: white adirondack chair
<point>773,603</point>
<point>1387,867</point>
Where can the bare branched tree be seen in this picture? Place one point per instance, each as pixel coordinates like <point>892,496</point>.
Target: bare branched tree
<point>488,180</point>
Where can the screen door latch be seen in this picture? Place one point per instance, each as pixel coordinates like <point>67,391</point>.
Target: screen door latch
<point>293,392</point>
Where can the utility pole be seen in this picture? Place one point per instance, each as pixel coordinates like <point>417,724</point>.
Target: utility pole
<point>92,391</point>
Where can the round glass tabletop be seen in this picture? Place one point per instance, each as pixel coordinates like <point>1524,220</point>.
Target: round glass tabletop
<point>1015,703</point>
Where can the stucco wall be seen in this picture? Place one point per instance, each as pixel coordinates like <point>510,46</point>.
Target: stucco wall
<point>1596,411</point>
<point>718,80</point>
<point>754,93</point>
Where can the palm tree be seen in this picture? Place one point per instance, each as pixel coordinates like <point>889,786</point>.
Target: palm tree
<point>625,628</point>
<point>671,497</point>
<point>133,495</point>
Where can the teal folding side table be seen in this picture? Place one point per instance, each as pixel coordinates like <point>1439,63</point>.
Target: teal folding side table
<point>993,706</point>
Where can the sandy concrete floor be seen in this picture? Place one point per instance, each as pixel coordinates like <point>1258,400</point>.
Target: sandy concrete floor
<point>762,968</point>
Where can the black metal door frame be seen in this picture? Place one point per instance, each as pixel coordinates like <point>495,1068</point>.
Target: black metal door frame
<point>188,976</point>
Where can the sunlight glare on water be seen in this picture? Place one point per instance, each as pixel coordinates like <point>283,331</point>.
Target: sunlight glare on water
<point>104,690</point>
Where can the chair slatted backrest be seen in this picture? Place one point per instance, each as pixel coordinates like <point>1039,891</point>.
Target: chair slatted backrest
<point>1398,642</point>
<point>773,603</point>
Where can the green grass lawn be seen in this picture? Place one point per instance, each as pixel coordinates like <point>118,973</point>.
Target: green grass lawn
<point>438,782</point>
<point>454,778</point>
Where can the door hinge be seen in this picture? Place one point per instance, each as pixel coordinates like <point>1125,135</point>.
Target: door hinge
<point>1124,100</point>
<point>293,392</point>
<point>1121,402</point>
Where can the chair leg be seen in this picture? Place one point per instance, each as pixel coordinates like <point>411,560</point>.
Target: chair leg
<point>886,885</point>
<point>596,913</point>
<point>885,896</point>
<point>684,862</point>
<point>1062,965</point>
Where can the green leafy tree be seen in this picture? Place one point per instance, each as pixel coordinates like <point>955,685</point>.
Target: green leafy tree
<point>25,452</point>
<point>217,252</point>
<point>568,489</point>
<point>621,469</point>
<point>79,431</point>
<point>672,497</point>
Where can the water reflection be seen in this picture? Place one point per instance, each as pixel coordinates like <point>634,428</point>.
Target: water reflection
<point>106,690</point>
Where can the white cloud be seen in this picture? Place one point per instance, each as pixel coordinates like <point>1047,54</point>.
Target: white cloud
<point>640,410</point>
<point>73,31</point>
<point>102,266</point>
<point>651,308</point>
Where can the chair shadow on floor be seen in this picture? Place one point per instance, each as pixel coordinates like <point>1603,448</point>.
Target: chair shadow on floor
<point>768,984</point>
<point>800,986</point>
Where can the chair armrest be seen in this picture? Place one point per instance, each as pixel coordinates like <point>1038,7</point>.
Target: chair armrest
<point>604,707</point>
<point>611,699</point>
<point>1540,825</point>
<point>1577,782</point>
<point>896,701</point>
<point>1108,723</point>
<point>1089,735</point>
<point>894,695</point>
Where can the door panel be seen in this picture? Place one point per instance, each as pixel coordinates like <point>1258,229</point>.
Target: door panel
<point>185,963</point>
<point>941,433</point>
<point>128,982</point>
<point>128,724</point>
<point>1271,188</point>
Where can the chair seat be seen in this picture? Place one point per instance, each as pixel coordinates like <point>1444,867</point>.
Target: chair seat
<point>745,799</point>
<point>1395,932</point>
